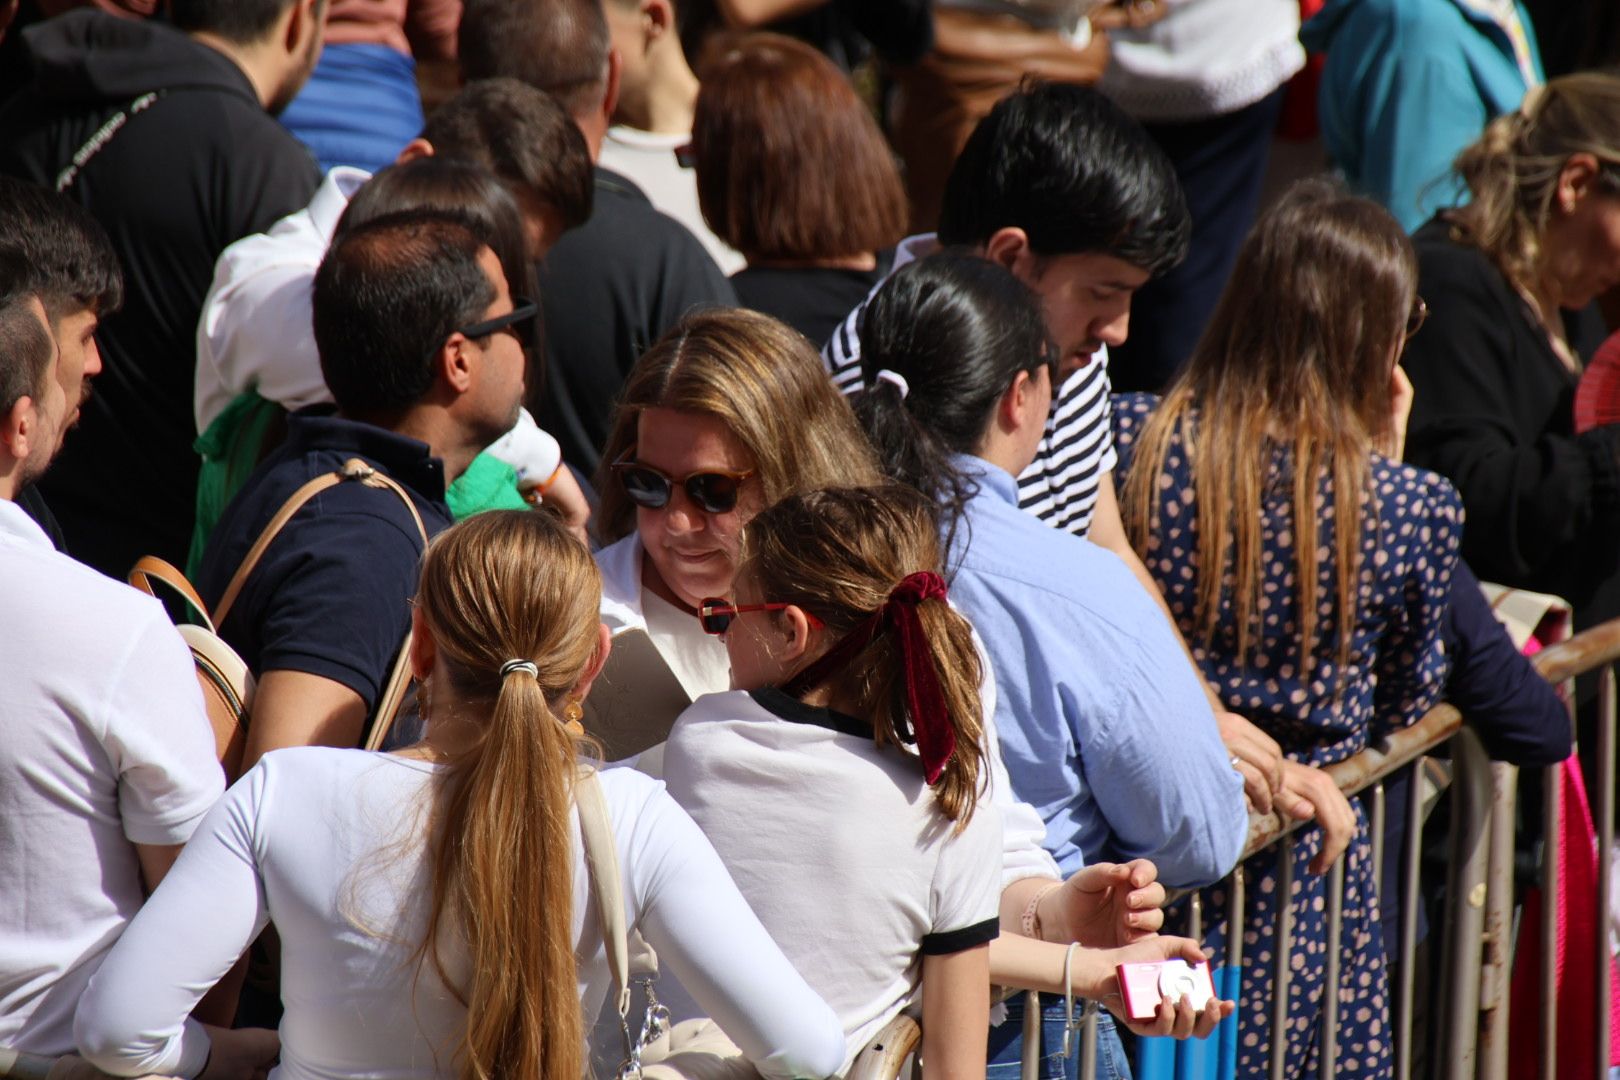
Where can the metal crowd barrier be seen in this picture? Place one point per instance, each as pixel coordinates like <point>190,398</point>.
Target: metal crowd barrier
<point>1477,933</point>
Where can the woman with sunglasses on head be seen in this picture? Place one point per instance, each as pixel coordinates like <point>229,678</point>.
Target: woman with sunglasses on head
<point>857,690</point>
<point>1510,278</point>
<point>1310,571</point>
<point>434,906</point>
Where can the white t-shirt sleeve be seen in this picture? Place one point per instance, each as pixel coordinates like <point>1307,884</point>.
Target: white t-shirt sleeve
<point>158,740</point>
<point>533,454</point>
<point>134,1018</point>
<point>966,895</point>
<point>714,946</point>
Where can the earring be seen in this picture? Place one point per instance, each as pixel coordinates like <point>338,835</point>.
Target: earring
<point>573,715</point>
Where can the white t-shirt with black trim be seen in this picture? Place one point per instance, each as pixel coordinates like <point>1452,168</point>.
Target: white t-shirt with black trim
<point>1060,486</point>
<point>837,845</point>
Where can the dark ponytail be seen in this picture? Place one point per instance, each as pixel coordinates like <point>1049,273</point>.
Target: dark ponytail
<point>957,329</point>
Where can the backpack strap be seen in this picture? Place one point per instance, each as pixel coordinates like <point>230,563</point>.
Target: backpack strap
<point>150,568</point>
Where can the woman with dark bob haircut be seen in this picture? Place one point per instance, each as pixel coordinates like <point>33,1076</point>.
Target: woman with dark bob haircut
<point>793,172</point>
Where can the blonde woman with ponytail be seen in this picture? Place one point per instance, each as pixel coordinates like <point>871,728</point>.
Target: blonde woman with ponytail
<point>433,904</point>
<point>1509,279</point>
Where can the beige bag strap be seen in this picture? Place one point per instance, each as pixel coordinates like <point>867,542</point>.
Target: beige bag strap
<point>353,469</point>
<point>602,862</point>
<point>150,568</point>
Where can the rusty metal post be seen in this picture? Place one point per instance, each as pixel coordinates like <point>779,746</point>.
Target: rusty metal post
<point>1376,827</point>
<point>1498,961</point>
<point>1465,905</point>
<point>1412,868</point>
<point>1605,831</point>
<point>1329,1054</point>
<point>1283,945</point>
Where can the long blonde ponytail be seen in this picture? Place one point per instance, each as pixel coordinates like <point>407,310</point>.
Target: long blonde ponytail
<point>498,587</point>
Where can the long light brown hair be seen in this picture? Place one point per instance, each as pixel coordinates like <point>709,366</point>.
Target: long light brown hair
<point>1512,170</point>
<point>510,585</point>
<point>761,379</point>
<point>1297,356</point>
<point>837,553</point>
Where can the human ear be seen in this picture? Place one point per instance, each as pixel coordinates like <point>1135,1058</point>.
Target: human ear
<point>454,364</point>
<point>599,659</point>
<point>610,98</point>
<point>303,21</point>
<point>423,648</point>
<point>1014,403</point>
<point>416,148</point>
<point>1009,248</point>
<point>795,626</point>
<point>1575,180</point>
<point>657,18</point>
<point>17,427</point>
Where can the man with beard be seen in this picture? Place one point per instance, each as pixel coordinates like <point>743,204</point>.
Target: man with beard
<point>165,133</point>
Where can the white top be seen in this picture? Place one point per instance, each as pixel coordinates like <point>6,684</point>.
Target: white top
<point>327,843</point>
<point>698,660</point>
<point>649,159</point>
<point>1061,485</point>
<point>106,745</point>
<point>257,326</point>
<point>1205,58</point>
<point>1024,832</point>
<point>838,846</point>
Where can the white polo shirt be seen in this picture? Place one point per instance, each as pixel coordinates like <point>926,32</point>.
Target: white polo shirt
<point>106,745</point>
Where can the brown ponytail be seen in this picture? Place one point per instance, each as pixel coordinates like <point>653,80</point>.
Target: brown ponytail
<point>506,586</point>
<point>838,553</point>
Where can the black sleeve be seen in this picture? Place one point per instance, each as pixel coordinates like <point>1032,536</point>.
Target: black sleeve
<point>1515,711</point>
<point>33,504</point>
<point>1489,414</point>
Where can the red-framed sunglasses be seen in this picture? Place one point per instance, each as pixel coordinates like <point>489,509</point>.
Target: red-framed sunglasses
<point>715,614</point>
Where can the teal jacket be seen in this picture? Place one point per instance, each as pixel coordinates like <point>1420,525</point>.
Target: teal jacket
<point>1408,84</point>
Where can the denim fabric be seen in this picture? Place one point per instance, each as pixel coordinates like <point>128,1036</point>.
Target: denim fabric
<point>1007,1045</point>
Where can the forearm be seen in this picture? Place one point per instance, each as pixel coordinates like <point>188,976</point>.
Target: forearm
<point>1026,964</point>
<point>956,1013</point>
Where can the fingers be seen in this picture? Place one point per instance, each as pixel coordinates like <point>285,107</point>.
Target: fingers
<point>1255,787</point>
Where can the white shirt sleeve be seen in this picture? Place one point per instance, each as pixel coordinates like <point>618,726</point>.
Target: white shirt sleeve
<point>533,454</point>
<point>715,947</point>
<point>134,1018</point>
<point>966,895</point>
<point>158,740</point>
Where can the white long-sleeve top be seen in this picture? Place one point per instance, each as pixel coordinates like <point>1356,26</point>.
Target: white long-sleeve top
<point>330,845</point>
<point>1023,831</point>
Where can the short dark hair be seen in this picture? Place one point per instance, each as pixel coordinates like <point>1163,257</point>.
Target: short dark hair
<point>387,295</point>
<point>52,248</point>
<point>790,164</point>
<point>524,137</point>
<point>26,347</point>
<point>558,46</point>
<point>1072,170</point>
<point>241,21</point>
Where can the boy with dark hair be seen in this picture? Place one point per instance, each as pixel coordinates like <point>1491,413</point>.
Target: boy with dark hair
<point>166,136</point>
<point>418,340</point>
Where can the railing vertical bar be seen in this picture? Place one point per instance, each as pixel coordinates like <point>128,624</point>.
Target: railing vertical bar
<point>1030,1068</point>
<point>1376,827</point>
<point>1088,1046</point>
<point>1551,827</point>
<point>1284,898</point>
<point>1494,979</point>
<point>1329,1055</point>
<point>1412,867</point>
<point>1470,808</point>
<point>1195,917</point>
<point>1605,831</point>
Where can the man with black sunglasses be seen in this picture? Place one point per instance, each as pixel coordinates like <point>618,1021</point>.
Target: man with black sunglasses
<point>421,344</point>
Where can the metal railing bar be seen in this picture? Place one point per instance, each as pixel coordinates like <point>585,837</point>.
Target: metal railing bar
<point>1470,809</point>
<point>1088,1046</point>
<point>1329,1054</point>
<point>1605,831</point>
<point>1494,997</point>
<point>1412,868</point>
<point>1376,827</point>
<point>1283,946</point>
<point>1551,827</point>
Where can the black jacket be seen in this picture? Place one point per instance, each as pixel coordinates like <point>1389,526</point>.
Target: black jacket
<point>1494,412</point>
<point>194,164</point>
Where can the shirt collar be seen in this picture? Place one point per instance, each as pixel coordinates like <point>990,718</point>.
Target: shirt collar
<point>409,461</point>
<point>16,524</point>
<point>913,248</point>
<point>784,707</point>
<point>333,196</point>
<point>990,477</point>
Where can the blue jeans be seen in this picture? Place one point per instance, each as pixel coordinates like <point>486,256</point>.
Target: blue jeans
<point>1007,1045</point>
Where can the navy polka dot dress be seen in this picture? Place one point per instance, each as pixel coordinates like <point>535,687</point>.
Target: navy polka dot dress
<point>1396,672</point>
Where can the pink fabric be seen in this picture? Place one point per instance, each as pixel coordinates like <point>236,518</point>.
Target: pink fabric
<point>425,29</point>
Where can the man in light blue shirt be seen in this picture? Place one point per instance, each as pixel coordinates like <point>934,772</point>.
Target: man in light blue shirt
<point>1104,727</point>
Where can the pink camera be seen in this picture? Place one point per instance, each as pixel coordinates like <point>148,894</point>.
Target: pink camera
<point>1144,985</point>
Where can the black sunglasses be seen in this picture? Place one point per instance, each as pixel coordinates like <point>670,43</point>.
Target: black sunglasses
<point>714,491</point>
<point>519,322</point>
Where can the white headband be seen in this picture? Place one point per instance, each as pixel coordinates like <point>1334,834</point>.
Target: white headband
<point>897,379</point>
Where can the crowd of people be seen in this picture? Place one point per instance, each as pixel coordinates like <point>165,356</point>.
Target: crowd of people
<point>710,497</point>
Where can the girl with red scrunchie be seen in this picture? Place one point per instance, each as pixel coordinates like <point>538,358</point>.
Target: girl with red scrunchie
<point>840,778</point>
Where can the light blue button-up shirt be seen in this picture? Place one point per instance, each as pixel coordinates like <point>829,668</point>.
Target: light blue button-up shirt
<point>1104,725</point>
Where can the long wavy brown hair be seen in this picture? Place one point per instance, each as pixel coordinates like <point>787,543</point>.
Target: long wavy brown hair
<point>836,554</point>
<point>502,586</point>
<point>1298,355</point>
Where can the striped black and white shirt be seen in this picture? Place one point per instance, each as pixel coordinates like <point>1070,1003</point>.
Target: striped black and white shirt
<point>1060,486</point>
